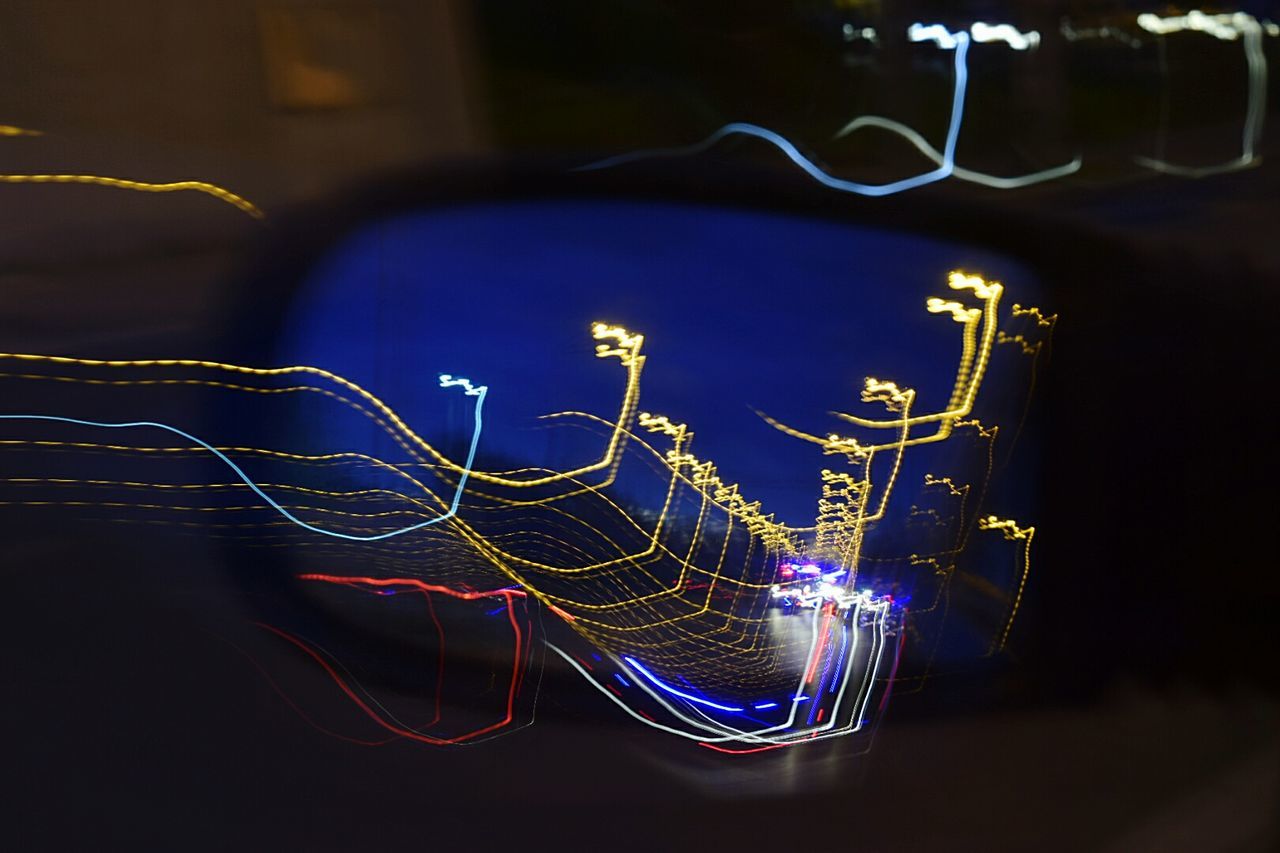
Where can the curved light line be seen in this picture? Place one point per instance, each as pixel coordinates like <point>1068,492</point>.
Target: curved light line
<point>959,172</point>
<point>945,168</point>
<point>479,393</point>
<point>782,144</point>
<point>634,664</point>
<point>1236,165</point>
<point>944,159</point>
<point>723,732</point>
<point>205,187</point>
<point>730,734</point>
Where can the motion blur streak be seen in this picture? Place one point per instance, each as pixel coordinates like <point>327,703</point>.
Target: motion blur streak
<point>141,186</point>
<point>1225,27</point>
<point>445,382</point>
<point>944,159</point>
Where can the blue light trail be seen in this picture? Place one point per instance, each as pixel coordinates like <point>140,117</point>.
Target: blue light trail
<point>844,642</point>
<point>944,159</point>
<point>688,696</point>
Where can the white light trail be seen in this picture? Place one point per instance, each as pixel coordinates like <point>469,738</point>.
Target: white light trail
<point>1226,27</point>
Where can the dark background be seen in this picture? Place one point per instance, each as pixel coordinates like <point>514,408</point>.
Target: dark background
<point>1137,711</point>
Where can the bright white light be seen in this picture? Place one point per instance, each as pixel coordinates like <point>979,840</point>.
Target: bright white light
<point>1006,33</point>
<point>935,33</point>
<point>866,33</point>
<point>1227,27</point>
<point>981,32</point>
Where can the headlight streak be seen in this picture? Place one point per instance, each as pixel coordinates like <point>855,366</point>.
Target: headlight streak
<point>787,732</point>
<point>858,719</point>
<point>826,670</point>
<point>445,382</point>
<point>634,664</point>
<point>661,701</point>
<point>944,159</point>
<point>844,643</point>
